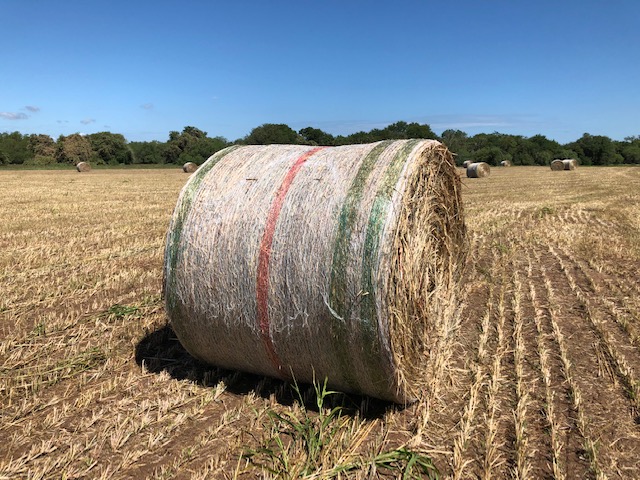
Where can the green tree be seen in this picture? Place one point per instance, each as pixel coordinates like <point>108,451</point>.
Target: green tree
<point>73,149</point>
<point>198,152</point>
<point>42,150</point>
<point>191,145</point>
<point>356,138</point>
<point>491,155</point>
<point>315,136</point>
<point>566,153</point>
<point>15,147</point>
<point>148,152</point>
<point>416,130</point>
<point>110,148</point>
<point>629,149</point>
<point>543,157</point>
<point>403,130</point>
<point>42,145</point>
<point>596,150</point>
<point>457,142</point>
<point>631,153</point>
<point>543,143</point>
<point>269,133</point>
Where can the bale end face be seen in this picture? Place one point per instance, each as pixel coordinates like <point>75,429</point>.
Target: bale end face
<point>478,170</point>
<point>83,167</point>
<point>557,165</point>
<point>189,167</point>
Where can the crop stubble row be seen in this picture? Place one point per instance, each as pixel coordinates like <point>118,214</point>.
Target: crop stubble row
<point>542,380</point>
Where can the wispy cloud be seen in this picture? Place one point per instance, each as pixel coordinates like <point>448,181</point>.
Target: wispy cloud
<point>147,106</point>
<point>62,121</point>
<point>13,115</point>
<point>87,121</point>
<point>32,108</point>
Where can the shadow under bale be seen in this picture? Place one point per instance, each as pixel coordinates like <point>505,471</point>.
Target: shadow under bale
<point>160,351</point>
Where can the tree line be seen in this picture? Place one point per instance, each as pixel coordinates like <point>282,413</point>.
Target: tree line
<point>194,145</point>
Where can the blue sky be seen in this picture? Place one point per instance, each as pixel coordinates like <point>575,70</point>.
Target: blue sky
<point>145,68</point>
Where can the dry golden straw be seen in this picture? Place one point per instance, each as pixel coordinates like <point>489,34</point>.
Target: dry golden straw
<point>478,170</point>
<point>83,167</point>
<point>557,165</point>
<point>189,167</point>
<point>290,261</point>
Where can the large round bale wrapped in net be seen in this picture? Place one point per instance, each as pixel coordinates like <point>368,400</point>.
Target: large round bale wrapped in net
<point>189,167</point>
<point>478,170</point>
<point>466,163</point>
<point>569,164</point>
<point>505,163</point>
<point>301,262</point>
<point>557,165</point>
<point>83,167</point>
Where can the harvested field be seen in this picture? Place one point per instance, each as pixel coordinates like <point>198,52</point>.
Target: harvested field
<point>543,380</point>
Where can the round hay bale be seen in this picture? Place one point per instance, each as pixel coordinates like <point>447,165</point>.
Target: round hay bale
<point>557,165</point>
<point>307,262</point>
<point>83,167</point>
<point>466,163</point>
<point>505,163</point>
<point>189,167</point>
<point>569,164</point>
<point>478,170</point>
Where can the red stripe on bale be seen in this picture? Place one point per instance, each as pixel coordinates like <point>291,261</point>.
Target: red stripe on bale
<point>262,288</point>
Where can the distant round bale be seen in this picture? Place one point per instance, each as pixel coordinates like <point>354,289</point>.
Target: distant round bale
<point>466,163</point>
<point>505,163</point>
<point>478,170</point>
<point>304,263</point>
<point>83,167</point>
<point>189,167</point>
<point>557,165</point>
<point>569,163</point>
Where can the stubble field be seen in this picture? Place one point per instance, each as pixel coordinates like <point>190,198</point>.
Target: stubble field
<point>542,381</point>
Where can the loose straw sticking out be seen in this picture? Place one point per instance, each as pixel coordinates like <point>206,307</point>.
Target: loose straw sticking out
<point>189,167</point>
<point>557,165</point>
<point>478,170</point>
<point>83,167</point>
<point>338,262</point>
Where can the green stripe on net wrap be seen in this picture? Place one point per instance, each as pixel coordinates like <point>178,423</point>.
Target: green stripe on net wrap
<point>183,208</point>
<point>341,305</point>
<point>375,229</point>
